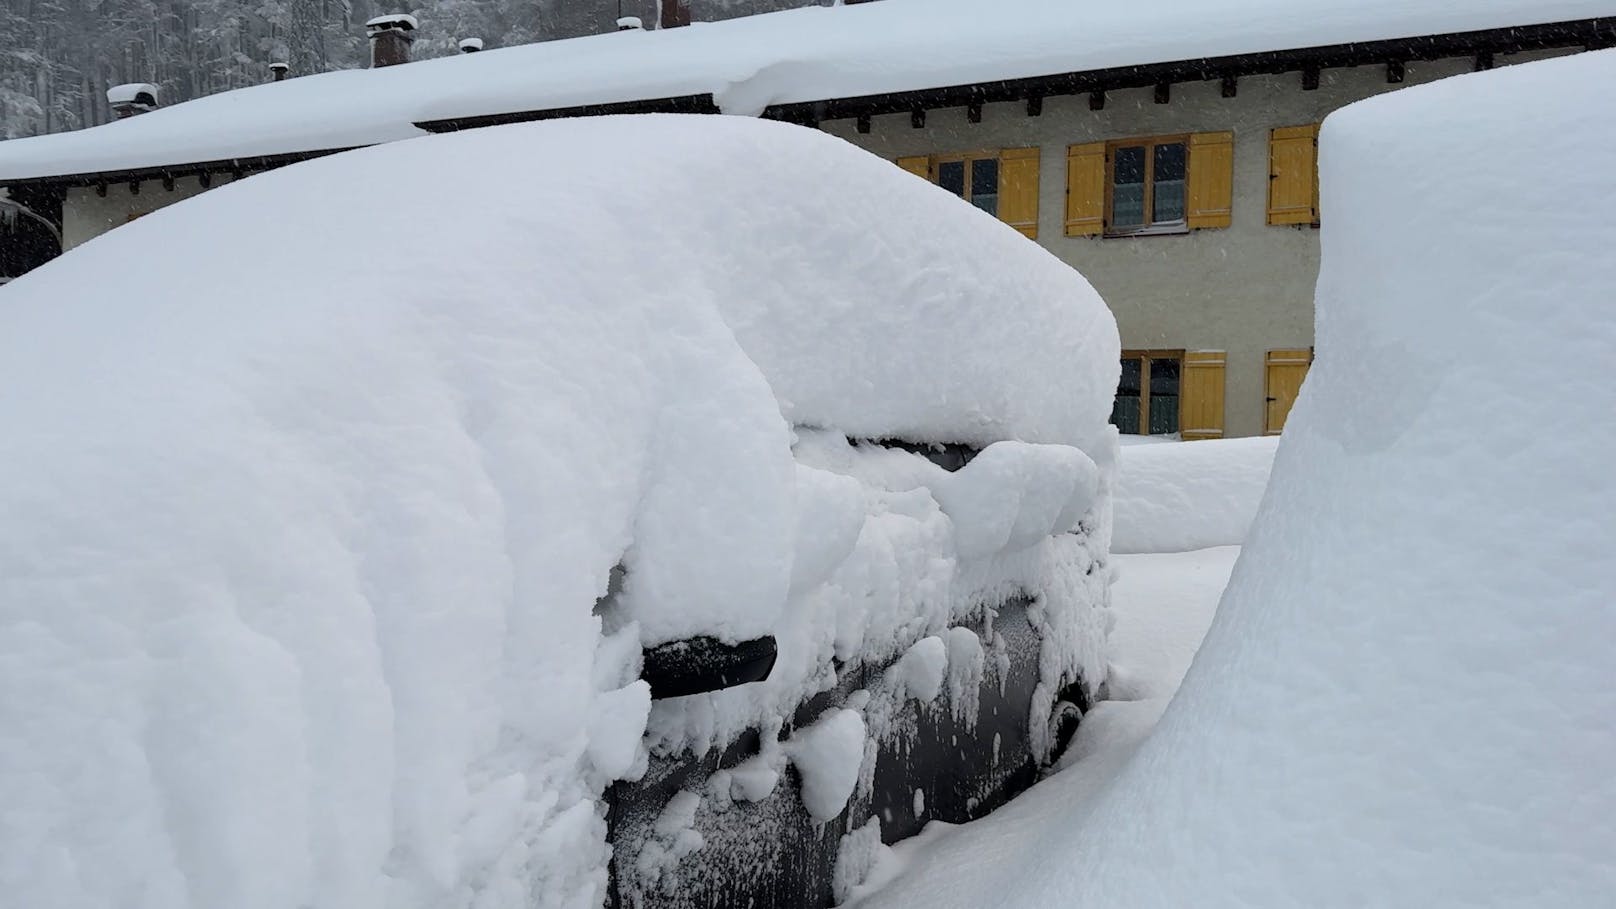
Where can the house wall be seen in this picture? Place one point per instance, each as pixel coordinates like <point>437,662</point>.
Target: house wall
<point>1245,289</point>
<point>87,215</point>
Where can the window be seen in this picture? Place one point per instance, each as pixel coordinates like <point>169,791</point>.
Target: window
<point>973,178</point>
<point>1139,187</point>
<point>1002,183</point>
<point>1147,186</point>
<point>1147,395</point>
<point>1167,392</point>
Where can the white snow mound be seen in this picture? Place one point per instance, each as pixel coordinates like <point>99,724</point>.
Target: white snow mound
<point>311,484</point>
<point>1406,697</point>
<point>1179,496</point>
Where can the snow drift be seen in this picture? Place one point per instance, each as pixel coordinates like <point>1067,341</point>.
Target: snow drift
<point>311,485</point>
<point>1406,697</point>
<point>1179,496</point>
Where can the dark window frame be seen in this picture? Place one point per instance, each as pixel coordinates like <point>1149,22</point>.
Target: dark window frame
<point>967,161</point>
<point>1146,358</point>
<point>1150,226</point>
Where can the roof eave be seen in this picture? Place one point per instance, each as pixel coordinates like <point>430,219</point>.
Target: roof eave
<point>679,104</point>
<point>1588,33</point>
<point>236,167</point>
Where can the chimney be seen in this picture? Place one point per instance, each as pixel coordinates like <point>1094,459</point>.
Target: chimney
<point>470,45</point>
<point>674,13</point>
<point>390,39</point>
<point>279,69</point>
<point>630,24</point>
<point>134,98</point>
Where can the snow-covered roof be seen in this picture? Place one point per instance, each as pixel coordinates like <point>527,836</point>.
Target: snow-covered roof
<point>748,64</point>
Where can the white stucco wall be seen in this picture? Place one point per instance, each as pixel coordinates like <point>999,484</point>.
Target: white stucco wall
<point>1246,289</point>
<point>86,214</point>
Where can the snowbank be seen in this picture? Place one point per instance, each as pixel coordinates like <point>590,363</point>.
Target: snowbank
<point>748,64</point>
<point>311,485</point>
<point>1179,496</point>
<point>1406,697</point>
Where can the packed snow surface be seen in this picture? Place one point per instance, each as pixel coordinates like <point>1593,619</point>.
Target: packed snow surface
<point>750,63</point>
<point>1406,696</point>
<point>302,532</point>
<point>1179,496</point>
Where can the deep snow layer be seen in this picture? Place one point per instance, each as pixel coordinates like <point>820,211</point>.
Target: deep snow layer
<point>1406,697</point>
<point>1180,496</point>
<point>303,529</point>
<point>747,64</point>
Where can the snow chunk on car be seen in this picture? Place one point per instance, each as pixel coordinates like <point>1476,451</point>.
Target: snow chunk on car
<point>312,484</point>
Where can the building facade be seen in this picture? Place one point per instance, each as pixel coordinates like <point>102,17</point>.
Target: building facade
<point>1217,316</point>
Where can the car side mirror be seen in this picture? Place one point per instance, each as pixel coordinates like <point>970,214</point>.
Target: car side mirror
<point>695,665</point>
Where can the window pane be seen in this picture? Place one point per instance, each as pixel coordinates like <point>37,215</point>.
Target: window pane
<point>1125,412</point>
<point>1163,396</point>
<point>1128,206</point>
<point>951,176</point>
<point>1130,165</point>
<point>1128,187</point>
<point>1168,202</point>
<point>985,184</point>
<point>985,177</point>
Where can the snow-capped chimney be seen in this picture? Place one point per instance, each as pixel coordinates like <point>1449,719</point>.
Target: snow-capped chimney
<point>630,24</point>
<point>131,99</point>
<point>470,45</point>
<point>279,68</point>
<point>390,39</point>
<point>674,13</point>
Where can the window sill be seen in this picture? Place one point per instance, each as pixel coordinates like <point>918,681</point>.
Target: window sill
<point>1178,229</point>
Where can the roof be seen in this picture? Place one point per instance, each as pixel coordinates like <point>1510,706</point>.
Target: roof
<point>748,65</point>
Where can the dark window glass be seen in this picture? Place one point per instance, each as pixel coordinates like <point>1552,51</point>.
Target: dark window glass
<point>1125,412</point>
<point>1163,396</point>
<point>1128,187</point>
<point>1130,164</point>
<point>985,184</point>
<point>951,176</point>
<point>1167,201</point>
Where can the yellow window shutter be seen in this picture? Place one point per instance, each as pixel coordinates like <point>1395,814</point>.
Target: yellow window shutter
<point>1018,189</point>
<point>1293,175</point>
<point>1211,177</point>
<point>1085,190</point>
<point>1201,401</point>
<point>1286,370</point>
<point>919,165</point>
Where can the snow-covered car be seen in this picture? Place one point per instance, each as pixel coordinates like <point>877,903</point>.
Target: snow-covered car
<point>651,510</point>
